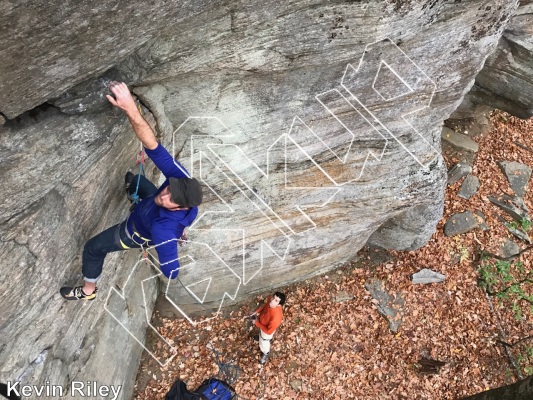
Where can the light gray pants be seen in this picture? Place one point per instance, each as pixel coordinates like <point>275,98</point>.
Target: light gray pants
<point>264,341</point>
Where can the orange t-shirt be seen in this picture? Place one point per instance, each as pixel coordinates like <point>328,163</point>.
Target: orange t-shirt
<point>269,318</point>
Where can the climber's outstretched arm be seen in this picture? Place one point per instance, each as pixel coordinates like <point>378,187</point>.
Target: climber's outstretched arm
<point>124,100</point>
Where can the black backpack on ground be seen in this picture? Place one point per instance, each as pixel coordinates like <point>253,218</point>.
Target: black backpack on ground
<point>179,391</point>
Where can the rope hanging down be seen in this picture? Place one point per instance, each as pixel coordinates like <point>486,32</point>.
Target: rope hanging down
<point>228,371</point>
<point>140,160</point>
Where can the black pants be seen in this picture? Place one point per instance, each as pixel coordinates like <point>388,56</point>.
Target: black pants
<point>112,239</point>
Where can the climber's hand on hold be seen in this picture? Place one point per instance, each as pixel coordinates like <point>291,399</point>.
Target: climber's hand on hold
<point>122,98</point>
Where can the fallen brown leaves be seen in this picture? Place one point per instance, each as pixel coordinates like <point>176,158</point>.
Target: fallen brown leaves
<point>344,350</point>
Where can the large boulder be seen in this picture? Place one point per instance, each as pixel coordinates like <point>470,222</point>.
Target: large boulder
<point>315,129</point>
<point>505,80</point>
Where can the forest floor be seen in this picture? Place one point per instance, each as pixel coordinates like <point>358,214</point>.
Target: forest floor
<point>331,349</point>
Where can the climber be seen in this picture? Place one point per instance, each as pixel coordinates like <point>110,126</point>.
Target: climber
<point>159,219</point>
<point>268,318</point>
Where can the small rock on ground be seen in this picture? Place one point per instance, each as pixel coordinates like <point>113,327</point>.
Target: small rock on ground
<point>460,223</point>
<point>510,249</point>
<point>520,234</point>
<point>469,187</point>
<point>343,296</point>
<point>517,174</point>
<point>459,140</point>
<point>507,204</point>
<point>458,171</point>
<point>427,276</point>
<point>387,305</point>
<point>481,220</point>
<point>296,384</point>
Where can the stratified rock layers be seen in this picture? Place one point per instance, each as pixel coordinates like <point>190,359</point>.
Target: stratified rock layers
<point>505,80</point>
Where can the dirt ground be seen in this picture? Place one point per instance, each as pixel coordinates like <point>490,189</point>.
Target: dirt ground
<point>333,343</point>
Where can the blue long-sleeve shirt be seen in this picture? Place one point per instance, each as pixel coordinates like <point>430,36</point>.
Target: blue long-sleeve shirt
<point>158,224</point>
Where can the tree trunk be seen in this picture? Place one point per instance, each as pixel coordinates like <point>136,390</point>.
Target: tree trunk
<point>522,390</point>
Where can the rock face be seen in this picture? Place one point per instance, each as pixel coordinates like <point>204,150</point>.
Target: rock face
<point>61,181</point>
<point>505,80</point>
<point>315,128</point>
<point>49,46</point>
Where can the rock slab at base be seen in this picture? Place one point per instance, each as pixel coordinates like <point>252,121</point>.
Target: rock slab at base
<point>459,140</point>
<point>460,223</point>
<point>517,174</point>
<point>469,187</point>
<point>427,276</point>
<point>388,306</point>
<point>458,171</point>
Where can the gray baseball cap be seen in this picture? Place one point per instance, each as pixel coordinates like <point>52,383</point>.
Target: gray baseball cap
<point>186,192</point>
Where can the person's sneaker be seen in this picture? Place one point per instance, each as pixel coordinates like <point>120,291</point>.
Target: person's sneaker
<point>263,359</point>
<point>76,293</point>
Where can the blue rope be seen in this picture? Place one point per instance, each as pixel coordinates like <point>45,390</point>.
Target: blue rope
<point>135,196</point>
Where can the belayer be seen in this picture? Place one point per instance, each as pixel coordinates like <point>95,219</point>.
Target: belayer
<point>158,220</point>
<point>268,318</point>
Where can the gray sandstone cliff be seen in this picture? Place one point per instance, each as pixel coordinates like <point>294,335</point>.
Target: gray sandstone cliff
<point>315,128</point>
<point>505,82</point>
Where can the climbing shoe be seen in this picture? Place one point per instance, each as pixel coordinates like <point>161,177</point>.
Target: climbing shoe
<point>128,178</point>
<point>76,293</point>
<point>127,181</point>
